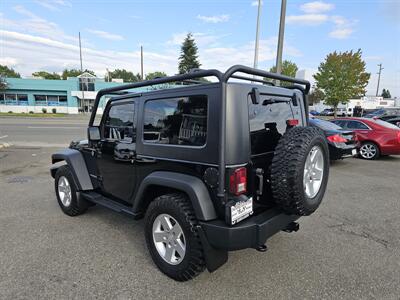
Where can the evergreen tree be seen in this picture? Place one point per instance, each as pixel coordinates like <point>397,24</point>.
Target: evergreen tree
<point>189,57</point>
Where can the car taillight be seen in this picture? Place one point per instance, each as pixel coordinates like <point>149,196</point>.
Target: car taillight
<point>292,122</point>
<point>238,181</point>
<point>336,139</point>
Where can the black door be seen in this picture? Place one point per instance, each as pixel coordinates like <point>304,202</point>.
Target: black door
<point>116,160</point>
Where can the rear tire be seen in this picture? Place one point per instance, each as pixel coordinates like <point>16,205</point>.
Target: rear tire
<point>300,170</point>
<point>172,238</point>
<point>68,196</point>
<point>369,151</point>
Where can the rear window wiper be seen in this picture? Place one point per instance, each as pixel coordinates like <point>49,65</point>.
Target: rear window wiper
<point>272,101</point>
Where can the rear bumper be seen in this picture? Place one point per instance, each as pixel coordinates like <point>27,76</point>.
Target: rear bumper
<point>250,233</point>
<point>341,152</point>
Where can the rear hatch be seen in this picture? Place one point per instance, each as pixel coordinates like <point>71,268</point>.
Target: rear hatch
<point>268,121</point>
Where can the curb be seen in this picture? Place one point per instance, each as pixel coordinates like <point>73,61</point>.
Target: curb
<point>5,145</point>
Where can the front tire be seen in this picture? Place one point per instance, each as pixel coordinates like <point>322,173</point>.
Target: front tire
<point>67,194</point>
<point>369,151</point>
<point>172,237</point>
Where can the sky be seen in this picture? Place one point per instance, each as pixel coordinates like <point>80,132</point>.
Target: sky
<point>43,34</point>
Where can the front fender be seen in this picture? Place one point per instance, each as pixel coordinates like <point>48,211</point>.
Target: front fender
<point>77,164</point>
<point>192,186</point>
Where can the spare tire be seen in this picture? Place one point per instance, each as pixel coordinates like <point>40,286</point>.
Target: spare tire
<point>299,170</point>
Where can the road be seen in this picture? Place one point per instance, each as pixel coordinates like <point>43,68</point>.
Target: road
<point>46,132</point>
<point>348,249</point>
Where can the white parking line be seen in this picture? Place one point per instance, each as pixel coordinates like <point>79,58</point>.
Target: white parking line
<point>53,127</point>
<point>4,136</point>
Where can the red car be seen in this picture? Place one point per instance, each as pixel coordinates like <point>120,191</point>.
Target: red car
<point>376,137</point>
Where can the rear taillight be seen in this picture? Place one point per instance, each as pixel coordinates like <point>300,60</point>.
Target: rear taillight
<point>292,122</point>
<point>238,181</point>
<point>336,139</point>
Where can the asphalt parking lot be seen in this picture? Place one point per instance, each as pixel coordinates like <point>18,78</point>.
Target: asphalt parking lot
<point>350,248</point>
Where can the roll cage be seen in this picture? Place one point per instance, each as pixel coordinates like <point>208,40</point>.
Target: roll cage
<point>223,79</point>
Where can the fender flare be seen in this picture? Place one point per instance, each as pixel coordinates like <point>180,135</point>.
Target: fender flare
<point>192,186</point>
<point>76,162</point>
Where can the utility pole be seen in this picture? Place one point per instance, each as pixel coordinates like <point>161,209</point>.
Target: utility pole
<point>82,86</point>
<point>280,40</point>
<point>257,35</point>
<point>141,62</point>
<point>379,78</point>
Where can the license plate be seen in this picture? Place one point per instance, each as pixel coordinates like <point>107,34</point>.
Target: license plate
<point>354,152</point>
<point>241,210</point>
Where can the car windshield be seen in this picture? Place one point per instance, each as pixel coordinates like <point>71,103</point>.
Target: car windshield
<point>324,125</point>
<point>386,124</point>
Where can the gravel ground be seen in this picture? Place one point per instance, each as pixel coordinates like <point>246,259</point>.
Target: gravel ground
<point>348,249</point>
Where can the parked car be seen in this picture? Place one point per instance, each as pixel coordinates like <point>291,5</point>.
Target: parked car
<point>327,112</point>
<point>314,113</point>
<point>341,112</point>
<point>342,143</point>
<point>212,167</point>
<point>375,137</point>
<point>383,113</point>
<point>394,121</point>
<point>387,117</point>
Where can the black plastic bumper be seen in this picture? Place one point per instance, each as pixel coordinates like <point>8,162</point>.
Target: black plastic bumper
<point>250,233</point>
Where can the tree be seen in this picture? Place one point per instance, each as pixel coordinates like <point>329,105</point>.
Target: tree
<point>3,83</point>
<point>386,94</point>
<point>8,72</point>
<point>189,58</point>
<point>341,77</point>
<point>46,75</point>
<point>153,75</point>
<point>125,75</point>
<point>289,68</point>
<point>315,96</point>
<point>74,73</point>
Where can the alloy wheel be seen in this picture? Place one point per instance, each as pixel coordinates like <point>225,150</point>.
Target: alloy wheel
<point>64,191</point>
<point>169,239</point>
<point>368,151</point>
<point>313,172</point>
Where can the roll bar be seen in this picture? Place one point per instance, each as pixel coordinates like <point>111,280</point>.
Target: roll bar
<point>223,78</point>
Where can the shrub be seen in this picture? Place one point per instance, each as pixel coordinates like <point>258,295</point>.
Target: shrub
<point>44,110</point>
<point>31,112</point>
<point>10,112</point>
<point>54,110</point>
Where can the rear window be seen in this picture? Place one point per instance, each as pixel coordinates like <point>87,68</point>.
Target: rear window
<point>267,122</point>
<point>324,125</point>
<point>386,124</point>
<point>176,121</point>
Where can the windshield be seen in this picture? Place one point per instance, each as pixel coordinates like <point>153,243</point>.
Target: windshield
<point>324,125</point>
<point>386,124</point>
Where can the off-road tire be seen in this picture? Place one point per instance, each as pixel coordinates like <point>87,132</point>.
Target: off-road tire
<point>78,205</point>
<point>287,170</point>
<point>178,206</point>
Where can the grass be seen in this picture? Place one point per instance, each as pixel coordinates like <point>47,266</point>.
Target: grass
<point>39,115</point>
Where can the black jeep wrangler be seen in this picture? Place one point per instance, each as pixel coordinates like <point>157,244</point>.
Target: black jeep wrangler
<point>211,166</point>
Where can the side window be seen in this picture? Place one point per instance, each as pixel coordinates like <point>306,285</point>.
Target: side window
<point>176,121</point>
<point>119,125</point>
<point>340,123</point>
<point>356,125</point>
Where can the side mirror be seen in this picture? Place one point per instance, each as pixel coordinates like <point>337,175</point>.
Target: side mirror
<point>93,134</point>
